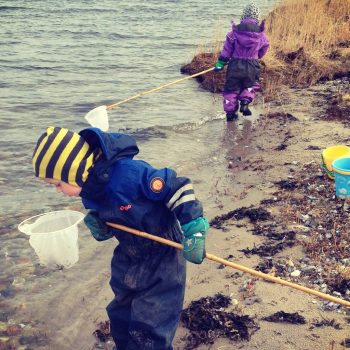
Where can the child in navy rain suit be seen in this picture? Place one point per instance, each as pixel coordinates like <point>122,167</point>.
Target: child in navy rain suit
<point>147,278</point>
<point>244,46</point>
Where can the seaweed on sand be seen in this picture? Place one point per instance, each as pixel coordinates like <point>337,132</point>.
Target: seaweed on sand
<point>326,323</point>
<point>285,317</point>
<point>206,322</point>
<point>269,249</point>
<point>286,184</point>
<point>273,232</point>
<point>254,215</point>
<point>103,332</point>
<point>340,285</point>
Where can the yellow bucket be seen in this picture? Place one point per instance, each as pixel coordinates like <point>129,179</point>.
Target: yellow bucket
<point>332,153</point>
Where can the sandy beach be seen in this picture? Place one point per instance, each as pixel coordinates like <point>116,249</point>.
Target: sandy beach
<point>247,167</point>
<point>301,130</point>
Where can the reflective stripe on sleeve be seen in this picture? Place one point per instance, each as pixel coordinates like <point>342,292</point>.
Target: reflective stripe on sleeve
<point>184,199</point>
<point>178,194</point>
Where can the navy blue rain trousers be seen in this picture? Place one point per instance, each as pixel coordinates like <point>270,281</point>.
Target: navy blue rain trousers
<point>149,286</point>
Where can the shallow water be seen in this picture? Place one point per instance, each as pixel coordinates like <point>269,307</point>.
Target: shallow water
<point>60,59</point>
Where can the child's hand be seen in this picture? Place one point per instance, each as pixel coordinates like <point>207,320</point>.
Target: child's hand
<point>97,227</point>
<point>195,232</point>
<point>219,65</point>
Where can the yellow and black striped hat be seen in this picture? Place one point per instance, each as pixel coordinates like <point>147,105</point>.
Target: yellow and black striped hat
<point>63,155</point>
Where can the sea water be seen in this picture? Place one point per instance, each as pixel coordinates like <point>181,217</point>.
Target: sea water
<point>60,59</point>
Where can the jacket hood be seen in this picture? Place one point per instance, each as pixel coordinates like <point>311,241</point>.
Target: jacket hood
<point>250,22</point>
<point>246,21</point>
<point>114,146</point>
<point>248,39</point>
<point>248,34</point>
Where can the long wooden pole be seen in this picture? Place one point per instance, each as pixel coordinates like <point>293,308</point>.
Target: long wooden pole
<point>235,266</point>
<point>159,88</point>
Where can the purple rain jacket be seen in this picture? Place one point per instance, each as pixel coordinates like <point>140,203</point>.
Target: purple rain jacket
<point>246,41</point>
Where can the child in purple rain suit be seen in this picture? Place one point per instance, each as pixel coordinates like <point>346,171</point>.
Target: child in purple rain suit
<point>244,46</point>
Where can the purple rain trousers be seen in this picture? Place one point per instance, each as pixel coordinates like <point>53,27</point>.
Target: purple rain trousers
<point>242,83</point>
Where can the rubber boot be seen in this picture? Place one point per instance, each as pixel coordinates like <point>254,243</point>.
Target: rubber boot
<point>232,115</point>
<point>244,108</point>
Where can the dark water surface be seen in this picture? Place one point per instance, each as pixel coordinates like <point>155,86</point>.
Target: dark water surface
<point>59,59</point>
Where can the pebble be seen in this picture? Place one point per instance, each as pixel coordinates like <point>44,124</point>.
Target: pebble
<point>301,237</point>
<point>319,281</point>
<point>346,261</point>
<point>331,306</point>
<point>296,273</point>
<point>304,218</point>
<point>4,340</point>
<point>290,263</point>
<point>311,198</point>
<point>308,269</point>
<point>235,302</point>
<point>3,327</point>
<point>18,281</point>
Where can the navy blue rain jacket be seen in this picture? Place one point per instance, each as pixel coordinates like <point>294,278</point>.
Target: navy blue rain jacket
<point>133,193</point>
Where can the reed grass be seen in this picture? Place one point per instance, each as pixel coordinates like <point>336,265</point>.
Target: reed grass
<point>307,38</point>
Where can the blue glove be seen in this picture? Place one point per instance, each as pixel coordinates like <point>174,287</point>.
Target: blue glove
<point>99,230</point>
<point>219,65</point>
<point>194,233</point>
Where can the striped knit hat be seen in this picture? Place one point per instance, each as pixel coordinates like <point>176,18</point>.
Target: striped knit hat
<point>63,155</point>
<point>251,11</point>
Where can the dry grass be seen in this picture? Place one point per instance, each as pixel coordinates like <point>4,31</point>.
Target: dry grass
<point>307,38</point>
<point>310,41</point>
<point>317,26</point>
